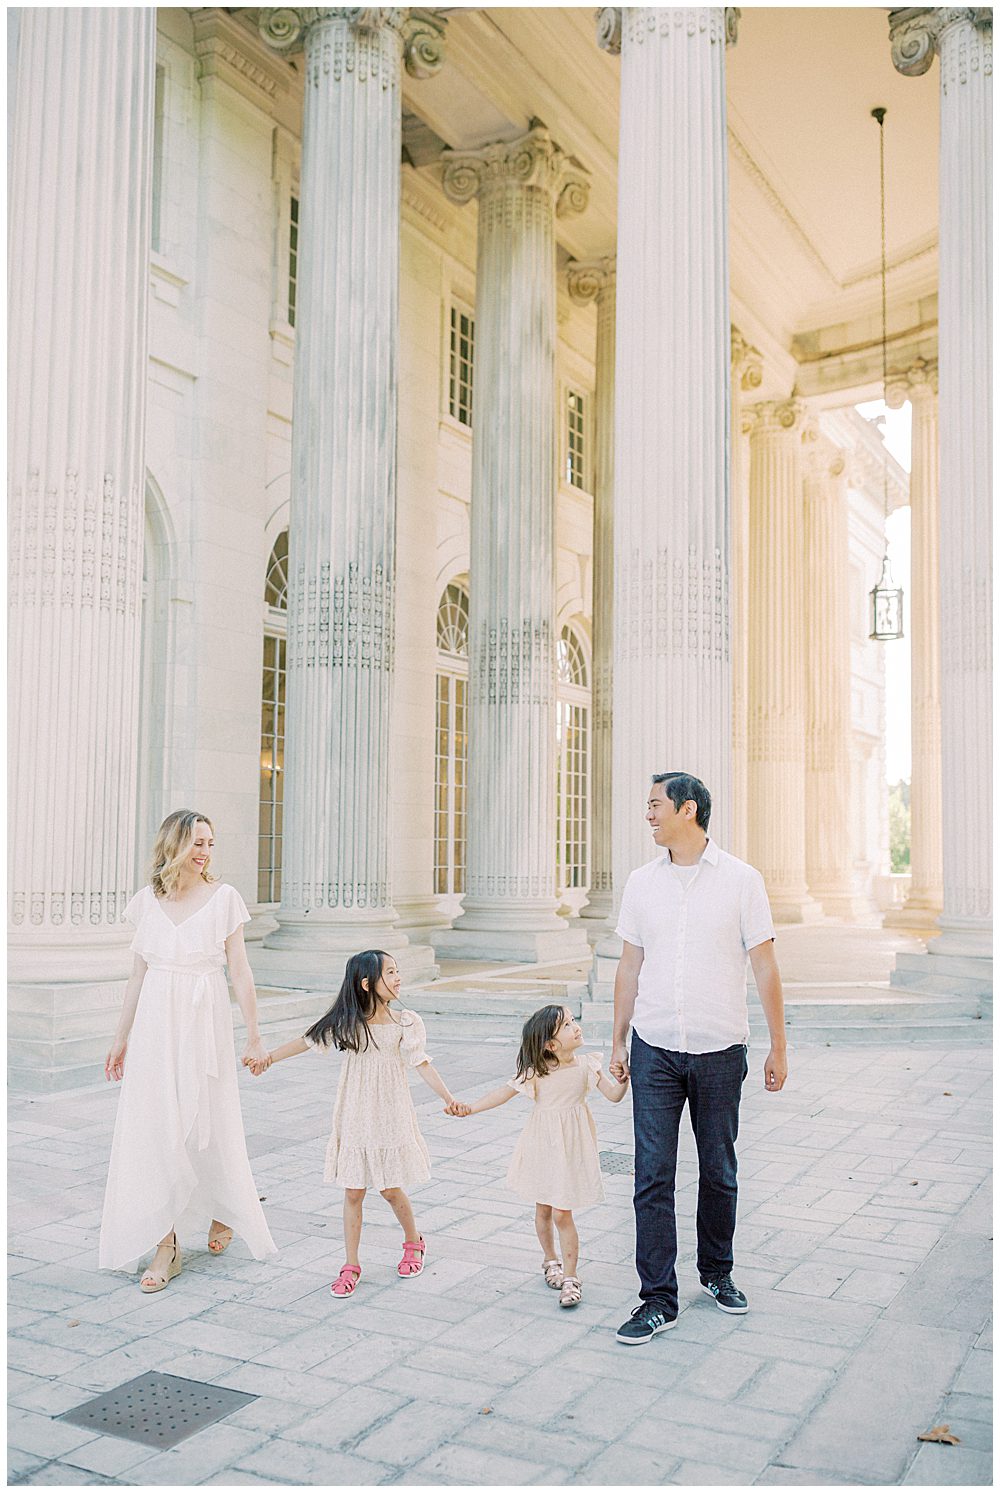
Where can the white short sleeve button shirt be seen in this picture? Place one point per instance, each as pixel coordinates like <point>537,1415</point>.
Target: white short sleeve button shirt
<point>695,933</point>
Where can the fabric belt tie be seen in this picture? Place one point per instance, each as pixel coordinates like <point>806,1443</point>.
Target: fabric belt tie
<point>203,1064</point>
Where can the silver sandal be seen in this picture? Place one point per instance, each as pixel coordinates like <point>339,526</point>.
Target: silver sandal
<point>553,1272</point>
<point>571,1292</point>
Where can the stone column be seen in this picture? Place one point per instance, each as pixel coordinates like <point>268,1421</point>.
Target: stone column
<point>672,683</point>
<point>80,179</point>
<point>510,902</point>
<point>963,40</point>
<point>339,803</point>
<point>595,281</point>
<point>919,384</point>
<point>777,674</point>
<point>827,630</point>
<point>746,375</point>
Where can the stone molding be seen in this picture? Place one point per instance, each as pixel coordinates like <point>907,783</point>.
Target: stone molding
<point>588,279</point>
<point>421,33</point>
<point>226,50</point>
<point>746,362</point>
<point>533,160</point>
<point>774,416</point>
<point>916,32</point>
<point>641,21</point>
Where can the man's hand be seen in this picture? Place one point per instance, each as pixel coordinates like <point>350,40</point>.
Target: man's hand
<point>618,1066</point>
<point>775,1071</point>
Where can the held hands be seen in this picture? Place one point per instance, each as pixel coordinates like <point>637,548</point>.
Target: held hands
<point>256,1057</point>
<point>114,1063</point>
<point>458,1109</point>
<point>618,1066</point>
<point>775,1071</point>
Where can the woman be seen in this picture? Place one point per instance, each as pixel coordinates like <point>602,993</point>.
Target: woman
<point>179,1156</point>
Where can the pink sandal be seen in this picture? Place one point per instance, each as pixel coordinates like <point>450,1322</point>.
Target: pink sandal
<point>346,1281</point>
<point>413,1258</point>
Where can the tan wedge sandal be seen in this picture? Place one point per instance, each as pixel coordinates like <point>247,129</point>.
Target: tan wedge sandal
<point>220,1241</point>
<point>157,1280</point>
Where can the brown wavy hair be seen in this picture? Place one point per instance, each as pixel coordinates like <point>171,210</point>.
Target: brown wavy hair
<point>173,841</point>
<point>533,1058</point>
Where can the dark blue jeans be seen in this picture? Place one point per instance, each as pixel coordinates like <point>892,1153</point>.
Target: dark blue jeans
<point>711,1084</point>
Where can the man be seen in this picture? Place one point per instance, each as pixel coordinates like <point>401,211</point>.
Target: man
<point>688,921</point>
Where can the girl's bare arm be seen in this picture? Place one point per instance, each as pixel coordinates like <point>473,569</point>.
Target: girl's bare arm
<point>433,1079</point>
<point>612,1089</point>
<point>288,1050</point>
<point>491,1100</point>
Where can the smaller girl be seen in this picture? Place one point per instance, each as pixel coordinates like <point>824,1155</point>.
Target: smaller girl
<point>555,1163</point>
<point>375,1140</point>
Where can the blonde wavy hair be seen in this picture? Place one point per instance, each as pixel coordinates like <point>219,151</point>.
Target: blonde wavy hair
<point>170,850</point>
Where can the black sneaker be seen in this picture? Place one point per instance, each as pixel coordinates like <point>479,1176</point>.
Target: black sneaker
<point>645,1322</point>
<point>728,1297</point>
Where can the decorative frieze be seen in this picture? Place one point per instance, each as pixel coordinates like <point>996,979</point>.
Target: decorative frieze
<point>80,163</point>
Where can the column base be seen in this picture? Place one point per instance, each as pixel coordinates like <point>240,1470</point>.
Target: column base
<point>795,909</point>
<point>58,1033</point>
<point>419,914</point>
<point>513,945</point>
<point>848,906</point>
<point>601,981</point>
<point>918,917</point>
<point>323,968</point>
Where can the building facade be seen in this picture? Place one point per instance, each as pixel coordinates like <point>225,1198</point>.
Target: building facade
<point>375,492</point>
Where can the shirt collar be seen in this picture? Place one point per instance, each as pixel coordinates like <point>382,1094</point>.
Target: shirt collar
<point>709,854</point>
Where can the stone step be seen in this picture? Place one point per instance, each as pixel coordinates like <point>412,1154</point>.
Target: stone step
<point>943,974</point>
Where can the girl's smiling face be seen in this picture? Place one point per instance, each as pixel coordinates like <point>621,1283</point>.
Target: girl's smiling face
<point>566,1039</point>
<point>389,983</point>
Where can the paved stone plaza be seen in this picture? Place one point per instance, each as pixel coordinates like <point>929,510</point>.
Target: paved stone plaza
<point>863,1244</point>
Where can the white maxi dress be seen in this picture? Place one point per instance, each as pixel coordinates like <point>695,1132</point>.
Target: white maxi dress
<point>179,1154</point>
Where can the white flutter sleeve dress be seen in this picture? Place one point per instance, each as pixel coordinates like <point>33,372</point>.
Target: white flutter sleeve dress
<point>179,1155</point>
<point>375,1140</point>
<point>556,1160</point>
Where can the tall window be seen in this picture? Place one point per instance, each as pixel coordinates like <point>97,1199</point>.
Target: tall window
<point>451,741</point>
<point>272,726</point>
<point>572,762</point>
<point>159,91</point>
<point>463,332</point>
<point>293,257</point>
<point>575,438</point>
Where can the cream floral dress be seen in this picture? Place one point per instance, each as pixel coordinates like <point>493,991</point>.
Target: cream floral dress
<point>375,1140</point>
<point>556,1161</point>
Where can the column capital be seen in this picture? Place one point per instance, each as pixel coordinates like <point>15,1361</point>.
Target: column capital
<point>723,22</point>
<point>533,160</point>
<point>589,279</point>
<point>823,457</point>
<point>921,378</point>
<point>776,417</point>
<point>421,31</point>
<point>746,361</point>
<point>915,33</point>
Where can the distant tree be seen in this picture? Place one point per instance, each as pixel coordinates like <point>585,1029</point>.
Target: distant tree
<point>899,828</point>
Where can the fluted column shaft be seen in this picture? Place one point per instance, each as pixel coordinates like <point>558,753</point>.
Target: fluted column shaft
<point>923,902</point>
<point>777,682</point>
<point>672,684</point>
<point>510,882</point>
<point>336,876</point>
<point>79,223</point>
<point>596,281</point>
<point>828,676</point>
<point>746,369</point>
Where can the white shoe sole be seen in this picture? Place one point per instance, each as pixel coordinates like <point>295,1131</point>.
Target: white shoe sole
<point>732,1311</point>
<point>637,1342</point>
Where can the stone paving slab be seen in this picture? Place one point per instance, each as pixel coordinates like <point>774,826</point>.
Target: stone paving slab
<point>863,1243</point>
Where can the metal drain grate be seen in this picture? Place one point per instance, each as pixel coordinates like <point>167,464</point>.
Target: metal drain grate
<point>622,1162</point>
<point>157,1409</point>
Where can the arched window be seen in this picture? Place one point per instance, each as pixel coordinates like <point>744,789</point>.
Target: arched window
<point>272,725</point>
<point>451,740</point>
<point>572,762</point>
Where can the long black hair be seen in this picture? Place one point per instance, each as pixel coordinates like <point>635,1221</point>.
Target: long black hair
<point>533,1058</point>
<point>350,1013</point>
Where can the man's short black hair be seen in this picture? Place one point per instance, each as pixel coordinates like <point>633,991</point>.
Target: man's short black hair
<point>681,786</point>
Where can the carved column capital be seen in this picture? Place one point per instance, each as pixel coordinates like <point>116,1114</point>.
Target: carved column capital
<point>915,33</point>
<point>421,31</point>
<point>641,21</point>
<point>823,457</point>
<point>609,29</point>
<point>588,279</point>
<point>921,378</point>
<point>534,160</point>
<point>746,362</point>
<point>776,416</point>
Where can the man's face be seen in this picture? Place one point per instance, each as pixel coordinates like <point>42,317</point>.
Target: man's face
<point>663,818</point>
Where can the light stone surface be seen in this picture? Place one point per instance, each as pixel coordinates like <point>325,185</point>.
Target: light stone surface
<point>391,1386</point>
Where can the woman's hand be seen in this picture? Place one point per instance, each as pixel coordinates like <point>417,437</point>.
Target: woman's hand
<point>457,1108</point>
<point>114,1063</point>
<point>256,1057</point>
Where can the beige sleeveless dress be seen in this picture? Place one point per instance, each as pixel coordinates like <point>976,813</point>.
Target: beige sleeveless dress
<point>556,1161</point>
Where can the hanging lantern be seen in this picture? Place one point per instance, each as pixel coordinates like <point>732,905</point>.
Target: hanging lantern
<point>887,607</point>
<point>886,599</point>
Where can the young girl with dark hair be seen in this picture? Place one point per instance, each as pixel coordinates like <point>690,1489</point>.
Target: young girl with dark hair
<point>375,1140</point>
<point>555,1164</point>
